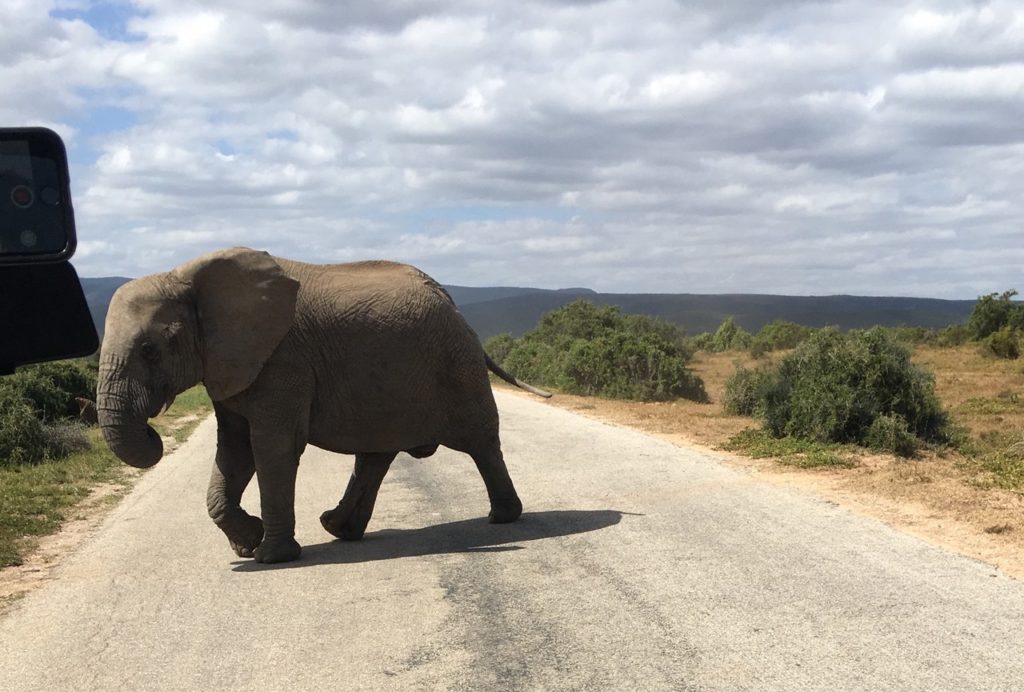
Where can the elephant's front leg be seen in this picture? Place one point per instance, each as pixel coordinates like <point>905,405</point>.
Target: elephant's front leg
<point>232,472</point>
<point>277,462</point>
<point>349,519</point>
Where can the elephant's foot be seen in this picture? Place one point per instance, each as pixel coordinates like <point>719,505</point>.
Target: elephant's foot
<point>505,511</point>
<point>277,550</point>
<point>345,522</point>
<point>244,534</point>
<point>241,550</point>
<point>349,519</point>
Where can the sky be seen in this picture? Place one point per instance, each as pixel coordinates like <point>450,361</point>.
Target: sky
<point>870,147</point>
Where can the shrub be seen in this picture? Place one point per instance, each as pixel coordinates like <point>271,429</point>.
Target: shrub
<point>994,311</point>
<point>704,341</point>
<point>65,437</point>
<point>499,346</point>
<point>1004,343</point>
<point>779,335</point>
<point>745,390</point>
<point>22,438</point>
<point>47,401</point>
<point>585,349</point>
<point>51,388</point>
<point>34,405</point>
<point>953,335</point>
<point>77,378</point>
<point>833,387</point>
<point>889,433</point>
<point>730,337</point>
<point>911,335</point>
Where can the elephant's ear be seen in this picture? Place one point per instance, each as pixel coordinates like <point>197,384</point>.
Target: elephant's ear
<point>245,304</point>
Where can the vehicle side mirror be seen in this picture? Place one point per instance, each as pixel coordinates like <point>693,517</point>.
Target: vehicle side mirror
<point>43,312</point>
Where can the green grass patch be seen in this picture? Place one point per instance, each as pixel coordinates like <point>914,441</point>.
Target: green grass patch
<point>188,411</point>
<point>35,498</point>
<point>998,406</point>
<point>791,451</point>
<point>192,401</point>
<point>999,457</point>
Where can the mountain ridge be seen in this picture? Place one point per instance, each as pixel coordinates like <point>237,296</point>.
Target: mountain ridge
<point>492,310</point>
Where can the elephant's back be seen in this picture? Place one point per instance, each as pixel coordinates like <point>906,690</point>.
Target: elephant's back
<point>378,290</point>
<point>393,357</point>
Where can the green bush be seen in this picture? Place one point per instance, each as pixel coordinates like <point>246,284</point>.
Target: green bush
<point>499,346</point>
<point>585,349</point>
<point>704,341</point>
<point>953,335</point>
<point>745,390</point>
<point>779,335</point>
<point>730,337</point>
<point>35,405</point>
<point>51,388</point>
<point>65,437</point>
<point>911,335</point>
<point>889,433</point>
<point>994,311</point>
<point>22,437</point>
<point>1005,342</point>
<point>833,387</point>
<point>76,377</point>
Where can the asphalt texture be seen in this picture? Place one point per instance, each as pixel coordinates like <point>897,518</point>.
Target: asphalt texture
<point>636,565</point>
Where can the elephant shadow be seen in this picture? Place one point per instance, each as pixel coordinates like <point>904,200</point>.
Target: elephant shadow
<point>464,536</point>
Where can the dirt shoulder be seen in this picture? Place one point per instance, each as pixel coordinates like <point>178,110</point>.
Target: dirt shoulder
<point>935,497</point>
<point>83,519</point>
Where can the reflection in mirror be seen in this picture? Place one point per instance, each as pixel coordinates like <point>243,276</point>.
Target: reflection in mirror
<point>36,219</point>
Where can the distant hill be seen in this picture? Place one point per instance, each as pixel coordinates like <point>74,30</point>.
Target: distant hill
<point>98,293</point>
<point>702,313</point>
<point>468,295</point>
<point>496,309</point>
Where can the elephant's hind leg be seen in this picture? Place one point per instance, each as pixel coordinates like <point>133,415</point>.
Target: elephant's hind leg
<point>505,504</point>
<point>349,519</point>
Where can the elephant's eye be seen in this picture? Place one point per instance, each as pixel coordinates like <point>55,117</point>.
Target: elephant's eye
<point>148,351</point>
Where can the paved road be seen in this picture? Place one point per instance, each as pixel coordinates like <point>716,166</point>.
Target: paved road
<point>639,565</point>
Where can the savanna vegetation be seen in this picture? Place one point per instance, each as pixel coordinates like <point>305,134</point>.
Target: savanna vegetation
<point>819,394</point>
<point>859,388</point>
<point>598,351</point>
<point>39,412</point>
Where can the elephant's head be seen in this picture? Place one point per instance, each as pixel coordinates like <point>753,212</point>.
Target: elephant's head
<point>216,319</point>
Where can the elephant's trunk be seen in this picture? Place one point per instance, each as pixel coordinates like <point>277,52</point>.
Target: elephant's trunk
<point>124,407</point>
<point>137,445</point>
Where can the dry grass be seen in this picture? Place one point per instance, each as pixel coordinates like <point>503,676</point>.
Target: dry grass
<point>949,498</point>
<point>984,394</point>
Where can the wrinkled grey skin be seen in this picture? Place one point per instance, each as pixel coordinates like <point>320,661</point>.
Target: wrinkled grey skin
<point>369,358</point>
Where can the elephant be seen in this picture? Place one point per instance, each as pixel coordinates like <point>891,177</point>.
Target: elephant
<point>366,358</point>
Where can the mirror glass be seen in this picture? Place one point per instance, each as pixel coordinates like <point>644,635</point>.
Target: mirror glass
<point>36,220</point>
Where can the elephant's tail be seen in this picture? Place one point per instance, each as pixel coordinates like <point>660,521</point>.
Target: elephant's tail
<point>496,369</point>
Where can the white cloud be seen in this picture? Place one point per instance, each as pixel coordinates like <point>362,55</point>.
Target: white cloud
<point>627,145</point>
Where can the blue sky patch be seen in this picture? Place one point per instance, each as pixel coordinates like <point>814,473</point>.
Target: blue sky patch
<point>109,19</point>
